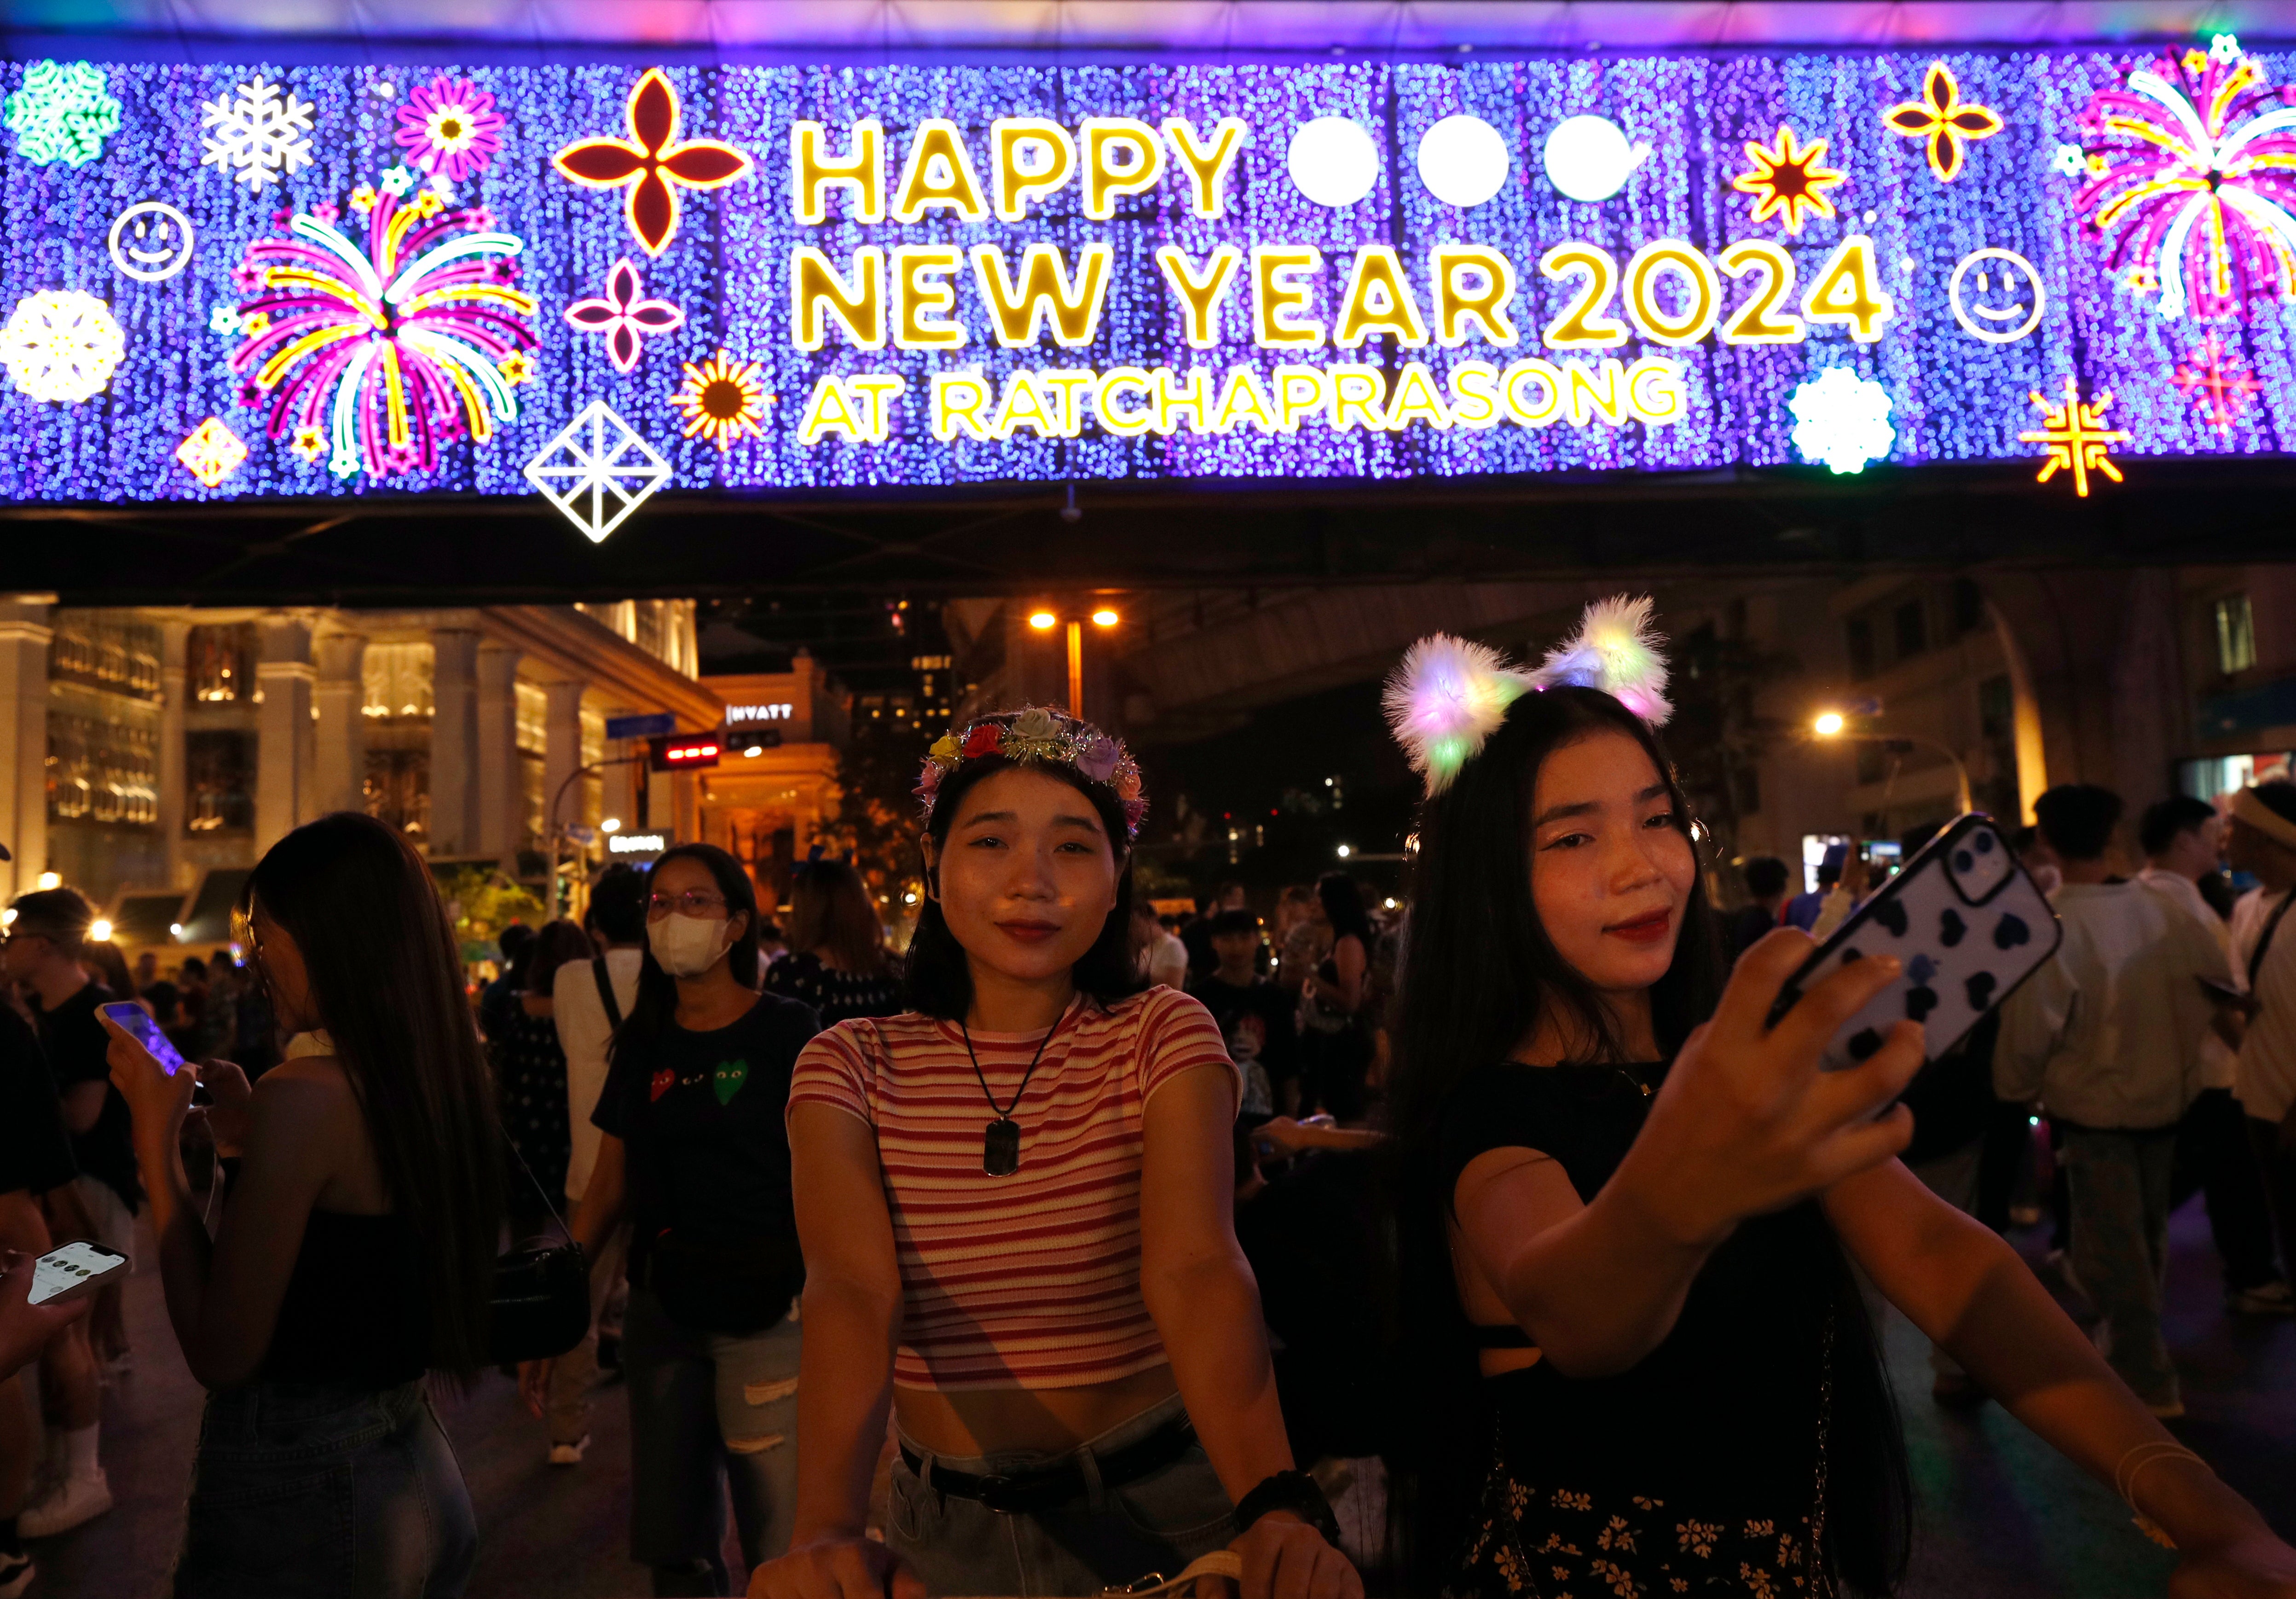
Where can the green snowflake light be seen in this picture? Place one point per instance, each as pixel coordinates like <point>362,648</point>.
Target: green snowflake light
<point>63,113</point>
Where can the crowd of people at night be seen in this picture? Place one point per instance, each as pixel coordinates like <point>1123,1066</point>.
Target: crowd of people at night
<point>1090,1241</point>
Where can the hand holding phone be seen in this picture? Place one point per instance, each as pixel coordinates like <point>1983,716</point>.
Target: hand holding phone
<point>74,1271</point>
<point>154,1084</point>
<point>135,1020</point>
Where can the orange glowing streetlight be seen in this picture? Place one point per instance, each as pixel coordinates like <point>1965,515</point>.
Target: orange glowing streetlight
<point>1045,620</point>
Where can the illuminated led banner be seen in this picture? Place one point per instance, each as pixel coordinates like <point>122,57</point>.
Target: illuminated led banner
<point>594,282</point>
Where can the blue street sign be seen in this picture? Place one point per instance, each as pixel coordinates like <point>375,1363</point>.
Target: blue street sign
<point>650,726</point>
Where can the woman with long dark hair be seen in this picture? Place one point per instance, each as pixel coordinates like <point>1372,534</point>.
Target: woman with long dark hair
<point>1333,1033</point>
<point>1638,1359</point>
<point>837,963</point>
<point>356,1245</point>
<point>1016,1200</point>
<point>694,1153</point>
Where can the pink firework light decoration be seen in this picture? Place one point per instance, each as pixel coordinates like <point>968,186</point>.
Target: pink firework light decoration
<point>625,316</point>
<point>377,354</point>
<point>2194,161</point>
<point>450,127</point>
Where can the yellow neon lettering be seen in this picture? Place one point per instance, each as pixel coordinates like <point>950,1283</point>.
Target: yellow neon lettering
<point>1586,400</point>
<point>1300,391</point>
<point>829,406</point>
<point>1849,290</point>
<point>858,306</point>
<point>1751,323</point>
<point>1654,390</point>
<point>1458,303</point>
<point>1195,399</point>
<point>1583,325</point>
<point>1275,293</point>
<point>957,397</point>
<point>1103,396</point>
<point>876,392</point>
<point>920,296</point>
<point>938,176</point>
<point>1046,294</point>
<point>1355,397</point>
<point>1475,405</point>
<point>1378,301</point>
<point>1672,257</point>
<point>1207,164</point>
<point>862,171</point>
<point>1103,179</point>
<point>1241,401</point>
<point>1549,405</point>
<point>1065,384</point>
<point>1017,184</point>
<point>1012,414</point>
<point>1415,398</point>
<point>1200,294</point>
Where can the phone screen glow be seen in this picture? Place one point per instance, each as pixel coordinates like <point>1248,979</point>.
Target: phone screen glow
<point>61,1270</point>
<point>138,1021</point>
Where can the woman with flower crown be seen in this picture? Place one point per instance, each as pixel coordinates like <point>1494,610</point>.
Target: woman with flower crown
<point>1637,1357</point>
<point>1014,1200</point>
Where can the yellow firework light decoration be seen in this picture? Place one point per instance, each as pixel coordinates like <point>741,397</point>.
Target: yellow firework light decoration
<point>1787,178</point>
<point>2075,436</point>
<point>722,398</point>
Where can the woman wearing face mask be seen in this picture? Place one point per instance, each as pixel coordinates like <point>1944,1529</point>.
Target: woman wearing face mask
<point>1638,1360</point>
<point>694,1153</point>
<point>1015,1200</point>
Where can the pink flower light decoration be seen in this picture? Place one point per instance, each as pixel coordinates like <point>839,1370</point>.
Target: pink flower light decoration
<point>625,316</point>
<point>450,127</point>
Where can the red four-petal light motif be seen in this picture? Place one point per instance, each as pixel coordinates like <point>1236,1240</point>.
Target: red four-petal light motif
<point>625,316</point>
<point>653,162</point>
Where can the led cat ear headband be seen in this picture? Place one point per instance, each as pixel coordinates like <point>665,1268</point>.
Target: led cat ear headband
<point>1449,696</point>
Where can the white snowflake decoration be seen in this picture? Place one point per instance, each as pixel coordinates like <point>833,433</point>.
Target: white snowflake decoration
<point>598,471</point>
<point>259,136</point>
<point>1842,420</point>
<point>62,345</point>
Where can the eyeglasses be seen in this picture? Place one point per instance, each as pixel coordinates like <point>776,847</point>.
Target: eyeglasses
<point>694,902</point>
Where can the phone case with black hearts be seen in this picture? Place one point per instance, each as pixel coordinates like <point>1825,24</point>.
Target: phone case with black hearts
<point>1970,925</point>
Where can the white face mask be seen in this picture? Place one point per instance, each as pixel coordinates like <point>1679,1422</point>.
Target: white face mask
<point>689,946</point>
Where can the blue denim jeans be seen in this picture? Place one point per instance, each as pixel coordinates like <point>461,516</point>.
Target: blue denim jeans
<point>308,1489</point>
<point>708,1412</point>
<point>1108,1537</point>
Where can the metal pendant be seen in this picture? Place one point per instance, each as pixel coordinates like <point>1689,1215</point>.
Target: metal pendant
<point>1000,1148</point>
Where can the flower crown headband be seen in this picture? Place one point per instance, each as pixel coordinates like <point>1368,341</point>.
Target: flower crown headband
<point>1450,695</point>
<point>1039,736</point>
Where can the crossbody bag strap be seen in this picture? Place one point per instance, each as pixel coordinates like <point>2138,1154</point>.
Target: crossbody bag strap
<point>541,1192</point>
<point>2271,926</point>
<point>606,992</point>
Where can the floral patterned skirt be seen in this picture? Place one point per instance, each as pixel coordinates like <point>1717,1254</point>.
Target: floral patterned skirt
<point>1554,1543</point>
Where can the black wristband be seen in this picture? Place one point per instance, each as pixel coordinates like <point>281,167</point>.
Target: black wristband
<point>1295,1491</point>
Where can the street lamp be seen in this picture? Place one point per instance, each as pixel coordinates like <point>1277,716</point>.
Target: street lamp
<point>1833,723</point>
<point>1044,621</point>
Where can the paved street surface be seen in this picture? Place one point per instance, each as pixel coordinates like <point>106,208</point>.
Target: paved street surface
<point>2000,1515</point>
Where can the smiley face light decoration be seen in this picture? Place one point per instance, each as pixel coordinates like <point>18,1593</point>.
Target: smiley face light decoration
<point>151,242</point>
<point>2005,301</point>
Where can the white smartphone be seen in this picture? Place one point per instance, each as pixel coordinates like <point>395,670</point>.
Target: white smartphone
<point>138,1022</point>
<point>74,1271</point>
<point>1969,924</point>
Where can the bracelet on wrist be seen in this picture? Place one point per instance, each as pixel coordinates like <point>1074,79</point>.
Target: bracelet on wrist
<point>1293,1491</point>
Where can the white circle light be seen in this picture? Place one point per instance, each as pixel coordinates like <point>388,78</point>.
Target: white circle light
<point>1333,160</point>
<point>1462,160</point>
<point>1589,158</point>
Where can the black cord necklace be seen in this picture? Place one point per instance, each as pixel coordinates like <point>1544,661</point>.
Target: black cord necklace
<point>1000,1146</point>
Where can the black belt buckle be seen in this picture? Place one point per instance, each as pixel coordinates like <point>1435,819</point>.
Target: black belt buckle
<point>1002,1495</point>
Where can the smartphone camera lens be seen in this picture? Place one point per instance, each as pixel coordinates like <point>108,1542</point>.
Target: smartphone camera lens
<point>1963,860</point>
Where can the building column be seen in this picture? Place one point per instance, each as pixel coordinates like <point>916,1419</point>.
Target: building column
<point>175,700</point>
<point>284,748</point>
<point>500,816</point>
<point>561,754</point>
<point>24,636</point>
<point>454,741</point>
<point>617,795</point>
<point>341,782</point>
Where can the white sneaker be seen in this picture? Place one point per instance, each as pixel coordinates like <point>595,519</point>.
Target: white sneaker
<point>16,1574</point>
<point>79,1499</point>
<point>2266,1299</point>
<point>559,1455</point>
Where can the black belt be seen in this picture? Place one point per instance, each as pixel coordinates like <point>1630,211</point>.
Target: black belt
<point>1061,1482</point>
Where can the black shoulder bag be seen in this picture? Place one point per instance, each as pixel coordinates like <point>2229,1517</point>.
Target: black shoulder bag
<point>542,1296</point>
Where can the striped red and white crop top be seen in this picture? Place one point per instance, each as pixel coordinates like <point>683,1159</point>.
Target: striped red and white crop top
<point>1031,1280</point>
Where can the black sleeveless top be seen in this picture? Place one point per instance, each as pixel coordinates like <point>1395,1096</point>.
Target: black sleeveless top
<point>1725,1414</point>
<point>355,1312</point>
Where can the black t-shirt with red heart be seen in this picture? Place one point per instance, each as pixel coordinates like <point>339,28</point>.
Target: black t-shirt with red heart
<point>701,1113</point>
